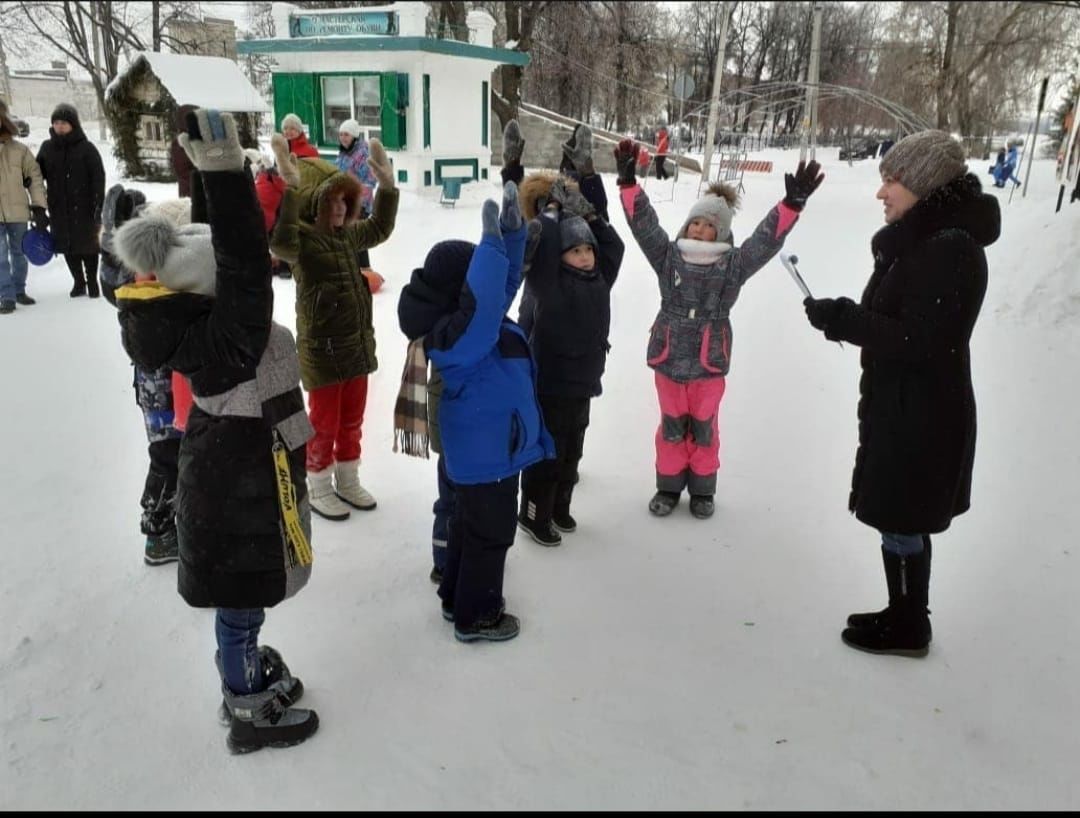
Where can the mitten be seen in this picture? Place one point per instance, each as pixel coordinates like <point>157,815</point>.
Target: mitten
<point>513,143</point>
<point>821,311</point>
<point>510,218</point>
<point>380,165</point>
<point>625,158</point>
<point>571,201</point>
<point>801,184</point>
<point>39,218</point>
<point>489,216</point>
<point>211,142</point>
<point>287,163</point>
<point>579,152</point>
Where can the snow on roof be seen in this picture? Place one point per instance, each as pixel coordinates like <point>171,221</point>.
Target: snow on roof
<point>208,82</point>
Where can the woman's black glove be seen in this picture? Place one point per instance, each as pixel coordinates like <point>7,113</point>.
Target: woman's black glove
<point>626,155</point>
<point>39,218</point>
<point>800,185</point>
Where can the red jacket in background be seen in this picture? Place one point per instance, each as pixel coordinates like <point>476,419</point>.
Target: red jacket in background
<point>661,144</point>
<point>301,147</point>
<point>269,189</point>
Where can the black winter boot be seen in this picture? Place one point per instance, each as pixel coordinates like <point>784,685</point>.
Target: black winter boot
<point>702,506</point>
<point>537,500</point>
<point>663,503</point>
<point>275,674</point>
<point>892,578</point>
<point>560,516</point>
<point>903,628</point>
<point>266,720</point>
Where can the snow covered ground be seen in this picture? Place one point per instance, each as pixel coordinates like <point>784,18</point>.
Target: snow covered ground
<point>662,664</point>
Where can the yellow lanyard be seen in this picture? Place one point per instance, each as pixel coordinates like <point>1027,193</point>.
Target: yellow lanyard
<point>301,549</point>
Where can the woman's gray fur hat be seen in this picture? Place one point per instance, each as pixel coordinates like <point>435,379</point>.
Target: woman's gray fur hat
<point>924,161</point>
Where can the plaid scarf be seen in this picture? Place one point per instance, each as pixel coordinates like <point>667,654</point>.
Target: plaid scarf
<point>410,409</point>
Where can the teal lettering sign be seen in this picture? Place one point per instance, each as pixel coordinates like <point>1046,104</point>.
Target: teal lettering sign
<point>383,23</point>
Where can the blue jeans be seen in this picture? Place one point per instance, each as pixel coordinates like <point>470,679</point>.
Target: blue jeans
<point>237,632</point>
<point>443,510</point>
<point>903,545</point>
<point>12,260</point>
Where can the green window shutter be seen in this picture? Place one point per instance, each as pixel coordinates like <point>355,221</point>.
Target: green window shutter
<point>484,114</point>
<point>395,99</point>
<point>427,110</point>
<point>296,93</point>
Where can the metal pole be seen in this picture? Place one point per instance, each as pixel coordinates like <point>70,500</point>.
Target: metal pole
<point>812,92</point>
<point>714,100</point>
<point>1035,135</point>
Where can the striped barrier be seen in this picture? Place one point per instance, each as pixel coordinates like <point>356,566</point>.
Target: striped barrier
<point>752,165</point>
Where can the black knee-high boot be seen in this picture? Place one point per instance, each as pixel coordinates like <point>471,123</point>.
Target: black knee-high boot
<point>902,628</point>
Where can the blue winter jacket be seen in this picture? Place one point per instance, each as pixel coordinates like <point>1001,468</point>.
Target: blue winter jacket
<point>489,417</point>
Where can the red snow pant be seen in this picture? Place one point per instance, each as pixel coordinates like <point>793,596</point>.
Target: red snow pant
<point>336,411</point>
<point>688,438</point>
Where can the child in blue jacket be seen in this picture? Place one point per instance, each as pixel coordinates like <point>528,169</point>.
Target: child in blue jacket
<point>490,420</point>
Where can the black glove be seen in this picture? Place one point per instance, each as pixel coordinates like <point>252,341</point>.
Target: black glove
<point>821,311</point>
<point>800,185</point>
<point>626,155</point>
<point>39,218</point>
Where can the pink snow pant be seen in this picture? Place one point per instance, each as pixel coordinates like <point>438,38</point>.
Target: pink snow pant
<point>688,438</point>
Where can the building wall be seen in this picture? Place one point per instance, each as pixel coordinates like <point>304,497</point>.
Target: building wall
<point>456,113</point>
<point>39,96</point>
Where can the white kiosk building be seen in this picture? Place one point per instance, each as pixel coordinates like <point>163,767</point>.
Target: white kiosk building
<point>427,99</point>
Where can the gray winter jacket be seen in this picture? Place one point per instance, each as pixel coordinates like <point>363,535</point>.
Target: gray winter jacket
<point>699,283</point>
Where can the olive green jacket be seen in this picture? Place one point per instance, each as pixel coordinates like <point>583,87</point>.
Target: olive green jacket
<point>335,336</point>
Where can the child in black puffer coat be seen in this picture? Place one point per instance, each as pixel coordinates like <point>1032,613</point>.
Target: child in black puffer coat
<point>204,309</point>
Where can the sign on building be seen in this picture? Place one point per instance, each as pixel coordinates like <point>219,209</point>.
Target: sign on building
<point>380,23</point>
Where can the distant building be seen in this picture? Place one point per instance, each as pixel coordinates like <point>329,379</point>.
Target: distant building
<point>142,101</point>
<point>208,37</point>
<point>38,92</point>
<point>427,99</point>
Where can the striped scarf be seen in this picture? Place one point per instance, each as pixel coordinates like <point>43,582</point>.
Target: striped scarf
<point>410,410</point>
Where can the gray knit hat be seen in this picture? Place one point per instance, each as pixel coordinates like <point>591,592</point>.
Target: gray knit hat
<point>924,161</point>
<point>717,208</point>
<point>574,230</point>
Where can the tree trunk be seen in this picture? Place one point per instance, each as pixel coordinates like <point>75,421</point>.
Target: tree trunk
<point>155,6</point>
<point>944,79</point>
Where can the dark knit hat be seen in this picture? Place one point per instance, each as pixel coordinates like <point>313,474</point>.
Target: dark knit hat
<point>924,161</point>
<point>446,265</point>
<point>66,113</point>
<point>434,289</point>
<point>574,230</point>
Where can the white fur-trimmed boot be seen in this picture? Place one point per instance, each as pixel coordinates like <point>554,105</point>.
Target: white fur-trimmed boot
<point>324,501</point>
<point>348,488</point>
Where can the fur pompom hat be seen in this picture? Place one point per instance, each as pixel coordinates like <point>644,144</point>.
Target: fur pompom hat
<point>717,207</point>
<point>180,257</point>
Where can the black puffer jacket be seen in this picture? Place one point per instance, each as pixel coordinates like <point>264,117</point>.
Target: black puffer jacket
<point>245,381</point>
<point>74,187</point>
<point>571,313</point>
<point>917,404</point>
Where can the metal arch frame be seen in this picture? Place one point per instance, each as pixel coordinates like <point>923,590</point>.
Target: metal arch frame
<point>781,96</point>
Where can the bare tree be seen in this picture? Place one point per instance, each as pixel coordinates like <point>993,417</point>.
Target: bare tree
<point>521,17</point>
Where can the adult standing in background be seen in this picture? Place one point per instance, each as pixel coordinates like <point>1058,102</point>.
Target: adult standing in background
<point>75,188</point>
<point>20,178</point>
<point>661,153</point>
<point>292,128</point>
<point>916,401</point>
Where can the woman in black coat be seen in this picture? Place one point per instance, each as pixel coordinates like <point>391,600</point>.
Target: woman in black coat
<point>75,189</point>
<point>917,405</point>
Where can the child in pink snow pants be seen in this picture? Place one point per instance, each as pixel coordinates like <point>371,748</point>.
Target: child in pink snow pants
<point>700,275</point>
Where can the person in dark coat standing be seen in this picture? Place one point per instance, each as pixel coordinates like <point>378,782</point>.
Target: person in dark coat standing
<point>202,305</point>
<point>917,405</point>
<point>75,190</point>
